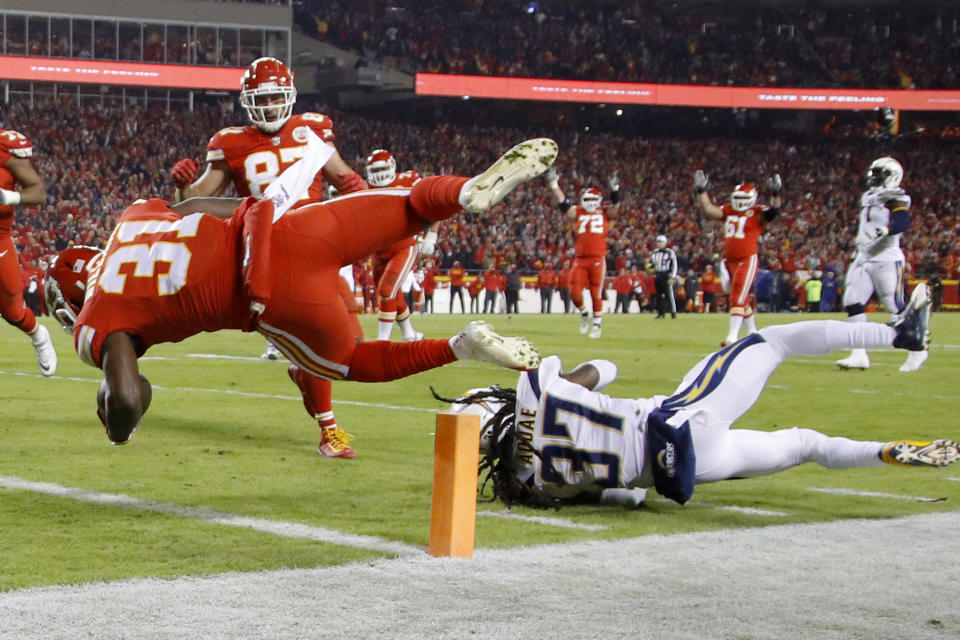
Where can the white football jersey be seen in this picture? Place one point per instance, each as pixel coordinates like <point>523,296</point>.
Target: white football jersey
<point>873,215</point>
<point>588,441</point>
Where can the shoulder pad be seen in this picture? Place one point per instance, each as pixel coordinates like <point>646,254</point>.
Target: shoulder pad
<point>16,144</point>
<point>321,124</point>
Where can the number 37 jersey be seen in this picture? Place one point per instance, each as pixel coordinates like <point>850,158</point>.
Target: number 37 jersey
<point>588,441</point>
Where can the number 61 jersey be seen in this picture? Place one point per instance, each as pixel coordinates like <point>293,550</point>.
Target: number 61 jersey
<point>588,441</point>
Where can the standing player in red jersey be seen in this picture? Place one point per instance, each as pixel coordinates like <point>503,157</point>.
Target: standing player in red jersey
<point>591,223</point>
<point>171,271</point>
<point>251,158</point>
<point>743,222</point>
<point>15,169</point>
<point>392,265</point>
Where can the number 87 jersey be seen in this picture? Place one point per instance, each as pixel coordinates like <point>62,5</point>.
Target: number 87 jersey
<point>256,158</point>
<point>588,441</point>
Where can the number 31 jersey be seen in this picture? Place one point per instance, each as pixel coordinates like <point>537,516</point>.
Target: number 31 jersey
<point>588,441</point>
<point>257,158</point>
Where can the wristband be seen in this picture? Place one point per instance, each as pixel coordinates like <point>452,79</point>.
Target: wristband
<point>10,198</point>
<point>607,371</point>
<point>615,196</point>
<point>564,204</point>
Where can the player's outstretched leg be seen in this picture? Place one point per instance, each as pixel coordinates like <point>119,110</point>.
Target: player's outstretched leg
<point>478,341</point>
<point>317,400</point>
<point>914,325</point>
<point>523,162</point>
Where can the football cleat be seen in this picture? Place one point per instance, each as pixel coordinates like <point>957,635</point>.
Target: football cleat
<point>915,360</point>
<point>416,337</point>
<point>939,453</point>
<point>46,354</point>
<point>335,443</point>
<point>585,322</point>
<point>272,353</point>
<point>913,325</point>
<point>523,162</point>
<point>858,359</point>
<point>595,331</point>
<point>478,341</point>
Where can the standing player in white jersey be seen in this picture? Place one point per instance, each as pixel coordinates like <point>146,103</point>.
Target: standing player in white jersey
<point>878,262</point>
<point>557,437</point>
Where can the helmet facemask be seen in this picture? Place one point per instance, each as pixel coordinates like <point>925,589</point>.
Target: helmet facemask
<point>743,197</point>
<point>380,169</point>
<point>269,108</point>
<point>590,200</point>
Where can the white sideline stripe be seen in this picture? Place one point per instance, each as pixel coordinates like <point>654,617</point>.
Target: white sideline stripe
<point>275,527</point>
<point>232,392</point>
<point>218,356</point>
<point>954,479</point>
<point>873,494</point>
<point>550,522</point>
<point>729,507</point>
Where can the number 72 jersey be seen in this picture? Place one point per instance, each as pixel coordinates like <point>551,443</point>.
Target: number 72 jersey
<point>588,441</point>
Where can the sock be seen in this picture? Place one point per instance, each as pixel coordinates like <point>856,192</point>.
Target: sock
<point>736,320</point>
<point>406,327</point>
<point>378,361</point>
<point>436,198</point>
<point>750,322</point>
<point>385,321</point>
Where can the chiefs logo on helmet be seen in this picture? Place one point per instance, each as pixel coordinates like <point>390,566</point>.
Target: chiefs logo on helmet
<point>380,168</point>
<point>267,94</point>
<point>590,199</point>
<point>66,283</point>
<point>743,197</point>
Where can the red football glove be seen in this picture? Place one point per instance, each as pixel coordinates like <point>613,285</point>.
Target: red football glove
<point>352,182</point>
<point>184,173</point>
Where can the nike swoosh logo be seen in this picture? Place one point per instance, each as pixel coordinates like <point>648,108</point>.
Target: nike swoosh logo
<point>3,253</point>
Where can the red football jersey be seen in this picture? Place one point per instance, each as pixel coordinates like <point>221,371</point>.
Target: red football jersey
<point>257,158</point>
<point>741,230</point>
<point>591,231</point>
<point>172,276</point>
<point>12,145</point>
<point>403,180</point>
<point>406,180</point>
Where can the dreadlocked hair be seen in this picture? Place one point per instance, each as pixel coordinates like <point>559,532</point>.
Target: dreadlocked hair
<point>500,462</point>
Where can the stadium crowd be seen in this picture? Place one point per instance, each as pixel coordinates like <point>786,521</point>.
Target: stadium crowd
<point>111,156</point>
<point>785,45</point>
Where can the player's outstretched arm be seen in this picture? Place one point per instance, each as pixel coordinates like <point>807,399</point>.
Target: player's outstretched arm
<point>214,181</point>
<point>32,191</point>
<point>124,394</point>
<point>700,183</point>
<point>557,196</point>
<point>340,175</point>
<point>613,182</point>
<point>217,207</point>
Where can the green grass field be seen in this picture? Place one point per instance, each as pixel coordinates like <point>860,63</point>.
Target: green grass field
<point>230,435</point>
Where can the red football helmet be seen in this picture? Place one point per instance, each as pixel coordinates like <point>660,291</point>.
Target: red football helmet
<point>590,199</point>
<point>66,283</point>
<point>380,168</point>
<point>267,94</point>
<point>743,197</point>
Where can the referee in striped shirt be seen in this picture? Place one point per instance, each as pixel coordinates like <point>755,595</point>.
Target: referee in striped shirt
<point>664,262</point>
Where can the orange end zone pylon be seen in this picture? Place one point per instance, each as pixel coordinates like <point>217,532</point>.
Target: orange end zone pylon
<point>453,515</point>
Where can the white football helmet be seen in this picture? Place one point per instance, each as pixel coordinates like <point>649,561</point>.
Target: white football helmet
<point>885,172</point>
<point>380,169</point>
<point>743,197</point>
<point>486,409</point>
<point>267,94</point>
<point>590,199</point>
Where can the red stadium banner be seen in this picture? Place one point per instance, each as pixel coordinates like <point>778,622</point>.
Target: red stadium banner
<point>120,73</point>
<point>434,84</point>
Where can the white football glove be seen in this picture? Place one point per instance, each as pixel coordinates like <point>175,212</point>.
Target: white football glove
<point>879,232</point>
<point>700,181</point>
<point>613,181</point>
<point>776,184</point>
<point>9,198</point>
<point>553,179</point>
<point>429,244</point>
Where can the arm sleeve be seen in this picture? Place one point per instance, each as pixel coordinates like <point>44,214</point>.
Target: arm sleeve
<point>899,219</point>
